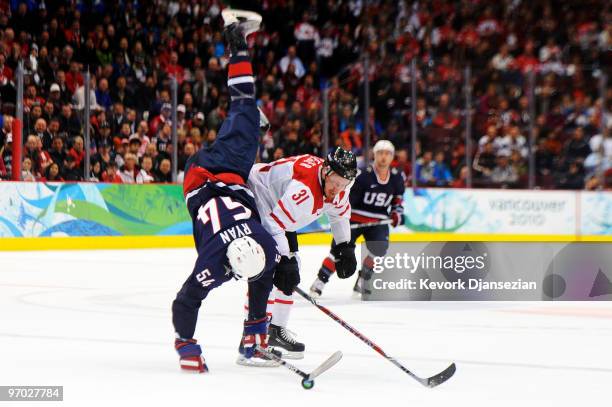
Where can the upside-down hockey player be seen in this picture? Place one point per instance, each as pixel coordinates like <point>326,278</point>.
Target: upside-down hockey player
<point>227,231</point>
<point>376,196</point>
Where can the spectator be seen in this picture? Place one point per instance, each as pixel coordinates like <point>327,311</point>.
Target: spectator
<point>77,152</point>
<point>573,179</point>
<point>130,173</point>
<point>26,170</point>
<point>164,173</point>
<point>291,59</point>
<point>441,173</point>
<point>577,148</point>
<point>485,160</point>
<point>146,169</point>
<point>111,174</point>
<point>425,169</point>
<point>39,158</point>
<point>52,174</point>
<point>96,171</point>
<point>504,173</point>
<point>70,171</point>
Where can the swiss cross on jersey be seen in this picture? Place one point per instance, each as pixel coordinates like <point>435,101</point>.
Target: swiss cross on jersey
<point>373,199</point>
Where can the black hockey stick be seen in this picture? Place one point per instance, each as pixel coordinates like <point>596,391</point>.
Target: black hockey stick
<point>307,378</point>
<point>432,381</point>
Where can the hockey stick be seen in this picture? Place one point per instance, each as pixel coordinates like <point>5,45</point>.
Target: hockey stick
<point>353,226</point>
<point>307,378</point>
<point>432,381</point>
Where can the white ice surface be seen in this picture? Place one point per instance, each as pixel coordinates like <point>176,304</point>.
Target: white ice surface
<point>99,324</point>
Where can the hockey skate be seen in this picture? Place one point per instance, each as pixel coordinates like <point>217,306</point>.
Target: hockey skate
<point>190,356</point>
<point>281,340</point>
<point>255,332</point>
<point>257,360</point>
<point>316,289</point>
<point>239,24</point>
<point>359,287</point>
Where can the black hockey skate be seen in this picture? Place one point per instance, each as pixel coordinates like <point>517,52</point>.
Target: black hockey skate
<point>238,25</point>
<point>280,339</point>
<point>359,287</point>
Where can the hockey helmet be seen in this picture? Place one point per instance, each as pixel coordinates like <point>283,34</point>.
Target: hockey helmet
<point>246,257</point>
<point>343,163</point>
<point>384,145</point>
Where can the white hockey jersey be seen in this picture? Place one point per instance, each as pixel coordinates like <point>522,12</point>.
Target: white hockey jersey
<point>289,196</point>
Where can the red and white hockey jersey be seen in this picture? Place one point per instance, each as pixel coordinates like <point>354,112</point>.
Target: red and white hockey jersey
<point>289,196</point>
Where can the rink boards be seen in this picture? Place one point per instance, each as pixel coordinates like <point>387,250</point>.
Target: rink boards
<point>51,216</point>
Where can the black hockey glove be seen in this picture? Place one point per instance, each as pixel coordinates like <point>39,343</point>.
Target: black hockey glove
<point>287,275</point>
<point>344,255</point>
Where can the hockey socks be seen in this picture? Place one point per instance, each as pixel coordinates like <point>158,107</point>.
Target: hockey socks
<point>327,268</point>
<point>240,78</point>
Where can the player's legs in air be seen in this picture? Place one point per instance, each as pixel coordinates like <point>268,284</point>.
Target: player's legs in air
<point>235,148</point>
<point>217,198</point>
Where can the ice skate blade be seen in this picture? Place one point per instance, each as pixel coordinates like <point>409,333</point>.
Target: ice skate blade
<point>256,362</point>
<point>285,354</point>
<point>315,295</point>
<point>248,19</point>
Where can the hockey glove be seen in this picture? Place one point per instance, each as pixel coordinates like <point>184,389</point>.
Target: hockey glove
<point>396,218</point>
<point>344,255</point>
<point>287,275</point>
<point>255,333</point>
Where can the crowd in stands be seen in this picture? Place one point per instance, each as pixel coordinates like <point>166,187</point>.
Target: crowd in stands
<point>559,52</point>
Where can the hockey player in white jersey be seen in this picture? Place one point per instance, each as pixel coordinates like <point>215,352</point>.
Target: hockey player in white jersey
<point>290,194</point>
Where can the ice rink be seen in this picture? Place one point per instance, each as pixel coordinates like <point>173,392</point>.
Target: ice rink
<point>99,324</point>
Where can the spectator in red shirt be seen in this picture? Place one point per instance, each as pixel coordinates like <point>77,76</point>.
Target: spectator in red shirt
<point>74,78</point>
<point>40,158</point>
<point>6,73</point>
<point>174,69</point>
<point>445,118</point>
<point>110,174</point>
<point>77,151</point>
<point>527,61</point>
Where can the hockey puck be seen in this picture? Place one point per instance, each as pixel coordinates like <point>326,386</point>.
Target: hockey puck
<point>307,384</point>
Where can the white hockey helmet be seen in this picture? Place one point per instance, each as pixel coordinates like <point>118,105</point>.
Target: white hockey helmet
<point>246,257</point>
<point>384,145</point>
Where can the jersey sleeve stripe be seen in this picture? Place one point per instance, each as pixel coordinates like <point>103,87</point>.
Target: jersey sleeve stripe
<point>345,210</point>
<point>277,220</point>
<point>280,203</point>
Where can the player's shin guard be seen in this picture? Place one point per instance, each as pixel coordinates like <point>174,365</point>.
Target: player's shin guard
<point>190,354</point>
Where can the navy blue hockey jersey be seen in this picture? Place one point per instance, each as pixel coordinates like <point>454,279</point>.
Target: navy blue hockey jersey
<point>217,221</point>
<point>373,200</point>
